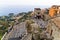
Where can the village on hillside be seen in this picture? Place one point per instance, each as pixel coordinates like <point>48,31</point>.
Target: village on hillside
<point>39,24</point>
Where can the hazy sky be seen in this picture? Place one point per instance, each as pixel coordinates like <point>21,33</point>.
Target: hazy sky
<point>15,6</point>
<point>29,2</point>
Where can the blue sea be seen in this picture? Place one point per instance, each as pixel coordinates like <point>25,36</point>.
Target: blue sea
<point>5,10</point>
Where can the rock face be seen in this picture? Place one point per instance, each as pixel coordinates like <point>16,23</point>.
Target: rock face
<point>52,31</point>
<point>53,27</point>
<point>16,32</point>
<point>36,29</point>
<point>56,28</point>
<point>39,30</point>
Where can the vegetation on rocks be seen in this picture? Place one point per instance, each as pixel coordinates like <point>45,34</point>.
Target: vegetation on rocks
<point>28,25</point>
<point>7,21</point>
<point>25,17</point>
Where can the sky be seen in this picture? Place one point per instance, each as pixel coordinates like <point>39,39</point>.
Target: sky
<point>16,6</point>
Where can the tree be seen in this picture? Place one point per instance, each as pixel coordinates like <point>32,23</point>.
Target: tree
<point>11,14</point>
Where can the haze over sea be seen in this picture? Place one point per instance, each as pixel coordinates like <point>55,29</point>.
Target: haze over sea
<point>5,10</point>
